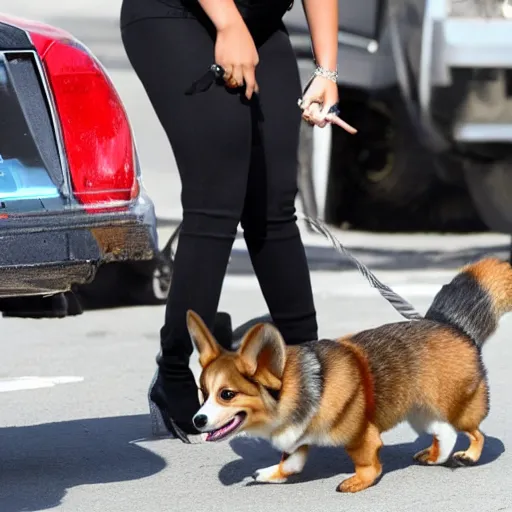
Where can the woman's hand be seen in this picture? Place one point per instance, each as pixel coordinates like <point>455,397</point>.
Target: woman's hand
<point>236,52</point>
<point>321,95</point>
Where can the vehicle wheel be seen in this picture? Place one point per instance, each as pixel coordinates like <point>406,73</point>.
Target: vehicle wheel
<point>393,169</point>
<point>150,281</point>
<point>383,179</point>
<point>490,186</point>
<point>161,282</point>
<point>59,305</point>
<point>147,283</point>
<point>382,166</point>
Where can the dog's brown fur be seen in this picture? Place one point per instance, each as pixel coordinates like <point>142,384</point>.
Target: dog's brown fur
<point>429,371</point>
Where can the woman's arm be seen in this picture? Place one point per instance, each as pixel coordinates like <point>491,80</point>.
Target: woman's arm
<point>322,93</point>
<point>235,50</point>
<point>222,12</point>
<point>322,17</point>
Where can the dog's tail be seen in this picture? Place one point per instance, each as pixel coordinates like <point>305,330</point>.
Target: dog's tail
<point>475,300</point>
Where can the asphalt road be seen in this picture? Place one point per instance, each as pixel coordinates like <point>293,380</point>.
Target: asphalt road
<point>74,425</point>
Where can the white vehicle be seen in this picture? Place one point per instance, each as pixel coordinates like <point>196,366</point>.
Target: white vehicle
<point>428,84</point>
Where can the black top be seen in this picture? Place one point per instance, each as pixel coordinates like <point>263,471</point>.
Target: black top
<point>253,11</point>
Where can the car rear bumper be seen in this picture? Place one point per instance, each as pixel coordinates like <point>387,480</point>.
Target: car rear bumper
<point>47,254</point>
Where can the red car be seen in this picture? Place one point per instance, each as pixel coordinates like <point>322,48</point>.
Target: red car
<point>78,229</point>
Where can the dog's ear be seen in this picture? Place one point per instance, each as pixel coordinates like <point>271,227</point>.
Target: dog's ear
<point>203,339</point>
<point>262,355</point>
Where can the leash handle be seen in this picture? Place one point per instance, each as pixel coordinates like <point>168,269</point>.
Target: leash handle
<point>397,301</point>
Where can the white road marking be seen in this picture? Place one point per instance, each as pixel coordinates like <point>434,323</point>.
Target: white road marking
<point>24,383</point>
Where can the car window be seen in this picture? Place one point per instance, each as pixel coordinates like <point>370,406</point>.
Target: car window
<point>22,171</point>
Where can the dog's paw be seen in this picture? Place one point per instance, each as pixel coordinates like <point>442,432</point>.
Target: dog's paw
<point>272,474</point>
<point>354,484</point>
<point>426,456</point>
<point>462,459</point>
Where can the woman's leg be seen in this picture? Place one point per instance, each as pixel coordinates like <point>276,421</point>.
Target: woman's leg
<point>210,134</point>
<point>269,221</point>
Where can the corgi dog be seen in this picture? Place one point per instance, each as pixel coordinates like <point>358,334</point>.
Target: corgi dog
<point>348,391</point>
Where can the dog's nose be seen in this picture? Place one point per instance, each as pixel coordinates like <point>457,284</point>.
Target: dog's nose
<point>200,421</point>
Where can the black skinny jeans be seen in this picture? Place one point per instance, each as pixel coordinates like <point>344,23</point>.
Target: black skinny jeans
<point>233,169</point>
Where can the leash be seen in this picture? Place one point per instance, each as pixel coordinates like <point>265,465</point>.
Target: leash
<point>402,306</point>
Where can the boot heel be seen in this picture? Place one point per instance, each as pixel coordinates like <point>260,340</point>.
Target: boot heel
<point>158,428</point>
<point>162,425</point>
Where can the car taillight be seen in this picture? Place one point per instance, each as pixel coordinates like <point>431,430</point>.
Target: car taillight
<point>95,126</point>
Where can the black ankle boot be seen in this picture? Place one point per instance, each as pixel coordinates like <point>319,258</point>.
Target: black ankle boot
<point>174,402</point>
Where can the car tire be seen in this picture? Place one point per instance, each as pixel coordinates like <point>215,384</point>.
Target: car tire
<point>59,305</point>
<point>490,186</point>
<point>148,283</point>
<point>383,178</point>
<point>379,167</point>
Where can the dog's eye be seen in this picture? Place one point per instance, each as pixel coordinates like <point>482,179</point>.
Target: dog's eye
<point>227,395</point>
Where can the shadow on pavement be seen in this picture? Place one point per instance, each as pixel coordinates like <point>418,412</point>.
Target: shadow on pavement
<point>40,462</point>
<point>329,462</point>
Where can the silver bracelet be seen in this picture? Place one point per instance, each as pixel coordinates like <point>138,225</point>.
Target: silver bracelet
<point>319,71</point>
<point>326,73</point>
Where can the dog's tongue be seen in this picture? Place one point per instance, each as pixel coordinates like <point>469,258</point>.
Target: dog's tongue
<point>220,433</point>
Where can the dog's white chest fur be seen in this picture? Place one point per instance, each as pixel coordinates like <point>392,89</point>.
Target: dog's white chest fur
<point>293,437</point>
<point>288,439</point>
